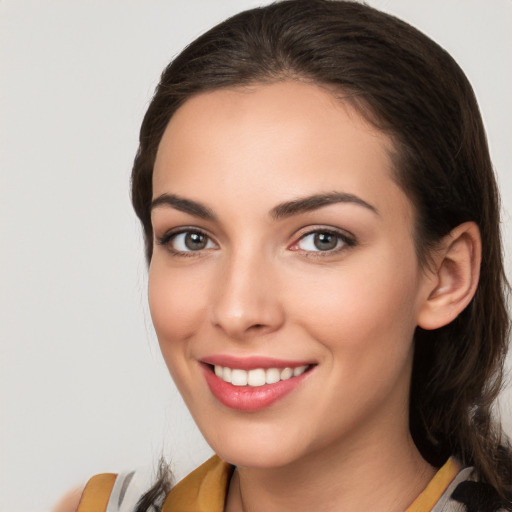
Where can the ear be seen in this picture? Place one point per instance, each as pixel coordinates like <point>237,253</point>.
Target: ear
<point>453,279</point>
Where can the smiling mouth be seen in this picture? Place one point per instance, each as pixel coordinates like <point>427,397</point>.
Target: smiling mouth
<point>253,383</point>
<point>257,377</point>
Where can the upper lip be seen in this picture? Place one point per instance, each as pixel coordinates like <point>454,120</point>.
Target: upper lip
<point>252,362</point>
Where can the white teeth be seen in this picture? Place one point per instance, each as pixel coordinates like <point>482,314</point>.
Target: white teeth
<point>272,375</point>
<point>258,376</point>
<point>238,377</point>
<point>286,373</point>
<point>299,370</point>
<point>226,374</point>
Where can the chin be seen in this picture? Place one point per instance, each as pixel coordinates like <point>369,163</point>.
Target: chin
<point>256,456</point>
<point>257,445</point>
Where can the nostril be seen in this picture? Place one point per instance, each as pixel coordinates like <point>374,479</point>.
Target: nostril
<point>257,328</point>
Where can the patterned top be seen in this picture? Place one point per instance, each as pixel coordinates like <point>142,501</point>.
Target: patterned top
<point>204,490</point>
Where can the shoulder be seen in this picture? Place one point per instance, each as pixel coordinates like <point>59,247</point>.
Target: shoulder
<point>69,502</point>
<point>110,492</point>
<point>466,493</point>
<point>202,490</point>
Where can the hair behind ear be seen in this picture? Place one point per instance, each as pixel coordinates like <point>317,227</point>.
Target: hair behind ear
<point>458,365</point>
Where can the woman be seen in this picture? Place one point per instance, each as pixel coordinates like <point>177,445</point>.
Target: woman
<point>325,275</point>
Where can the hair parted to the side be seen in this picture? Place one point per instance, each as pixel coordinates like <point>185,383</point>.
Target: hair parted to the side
<point>412,89</point>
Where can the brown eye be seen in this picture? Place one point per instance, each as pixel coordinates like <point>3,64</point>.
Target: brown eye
<point>321,241</point>
<point>325,241</point>
<point>188,241</point>
<point>195,241</point>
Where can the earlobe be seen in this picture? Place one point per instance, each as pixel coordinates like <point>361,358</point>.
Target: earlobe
<point>454,278</point>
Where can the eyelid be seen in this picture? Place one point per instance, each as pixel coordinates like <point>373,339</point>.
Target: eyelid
<point>166,239</point>
<point>348,239</point>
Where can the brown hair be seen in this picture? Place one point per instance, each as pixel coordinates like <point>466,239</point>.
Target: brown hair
<point>412,89</point>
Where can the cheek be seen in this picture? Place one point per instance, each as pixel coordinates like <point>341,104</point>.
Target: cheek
<point>174,302</point>
<point>176,312</point>
<point>367,305</point>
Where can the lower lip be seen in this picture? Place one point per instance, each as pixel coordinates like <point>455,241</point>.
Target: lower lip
<point>247,398</point>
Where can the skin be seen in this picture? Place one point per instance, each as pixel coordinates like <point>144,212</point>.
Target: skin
<point>339,441</point>
<point>69,502</point>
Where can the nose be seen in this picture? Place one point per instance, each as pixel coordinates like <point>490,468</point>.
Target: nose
<point>245,301</point>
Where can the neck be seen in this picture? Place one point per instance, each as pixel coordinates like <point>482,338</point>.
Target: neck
<point>363,476</point>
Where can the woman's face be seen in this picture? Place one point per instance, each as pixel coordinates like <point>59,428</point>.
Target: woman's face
<point>284,286</point>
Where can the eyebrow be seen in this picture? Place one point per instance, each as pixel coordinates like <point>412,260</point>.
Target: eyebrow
<point>183,205</point>
<point>309,203</point>
<point>282,210</point>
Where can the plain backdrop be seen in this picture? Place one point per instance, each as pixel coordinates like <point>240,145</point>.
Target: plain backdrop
<point>82,386</point>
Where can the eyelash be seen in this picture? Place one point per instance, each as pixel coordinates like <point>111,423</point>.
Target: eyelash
<point>346,242</point>
<point>167,239</point>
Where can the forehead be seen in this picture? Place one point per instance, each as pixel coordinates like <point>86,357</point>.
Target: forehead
<point>270,139</point>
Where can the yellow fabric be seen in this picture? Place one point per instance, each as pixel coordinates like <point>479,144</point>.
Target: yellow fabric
<point>97,493</point>
<point>203,490</point>
<point>435,489</point>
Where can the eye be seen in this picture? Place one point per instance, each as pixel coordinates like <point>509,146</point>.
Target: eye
<point>187,241</point>
<point>323,241</point>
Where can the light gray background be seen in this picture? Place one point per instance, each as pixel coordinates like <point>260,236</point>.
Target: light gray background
<point>82,386</point>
